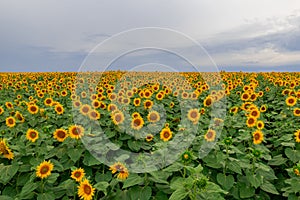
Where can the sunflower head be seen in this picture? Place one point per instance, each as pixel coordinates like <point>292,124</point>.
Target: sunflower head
<point>166,134</point>
<point>10,122</point>
<point>149,137</point>
<point>76,131</point>
<point>86,190</point>
<point>78,174</point>
<point>44,169</point>
<point>32,135</point>
<point>210,135</point>
<point>137,123</point>
<point>258,137</point>
<point>60,134</point>
<point>186,157</point>
<point>153,116</point>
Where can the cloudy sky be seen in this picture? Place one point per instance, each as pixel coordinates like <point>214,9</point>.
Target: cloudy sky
<point>248,35</point>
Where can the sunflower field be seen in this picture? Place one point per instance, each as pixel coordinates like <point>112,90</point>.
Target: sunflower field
<point>149,135</point>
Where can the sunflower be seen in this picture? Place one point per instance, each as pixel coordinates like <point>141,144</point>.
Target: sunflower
<point>94,115</point>
<point>76,104</point>
<point>260,124</point>
<point>117,117</point>
<point>193,115</point>
<point>172,104</point>
<point>137,123</point>
<point>208,101</point>
<point>251,121</point>
<point>85,190</point>
<point>159,96</point>
<point>60,134</point>
<point>9,105</point>
<point>166,134</point>
<point>291,101</point>
<point>210,135</point>
<point>258,137</point>
<point>85,109</point>
<point>19,117</point>
<point>33,109</point>
<point>149,137</point>
<point>255,113</point>
<point>59,109</point>
<point>119,167</point>
<point>96,103</point>
<point>245,96</point>
<point>297,135</point>
<point>44,169</point>
<point>77,174</point>
<point>296,112</point>
<point>76,131</point>
<point>148,104</point>
<point>263,108</point>
<point>153,116</point>
<point>112,107</point>
<point>10,122</point>
<point>135,115</point>
<point>137,102</point>
<point>32,135</point>
<point>234,109</point>
<point>48,101</point>
<point>1,110</point>
<point>4,149</point>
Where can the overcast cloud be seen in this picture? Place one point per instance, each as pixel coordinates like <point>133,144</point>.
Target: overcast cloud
<point>257,35</point>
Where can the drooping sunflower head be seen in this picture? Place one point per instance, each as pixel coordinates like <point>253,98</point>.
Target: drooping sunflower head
<point>153,116</point>
<point>258,137</point>
<point>210,135</point>
<point>263,108</point>
<point>78,174</point>
<point>44,169</point>
<point>1,110</point>
<point>32,135</point>
<point>60,134</point>
<point>76,131</point>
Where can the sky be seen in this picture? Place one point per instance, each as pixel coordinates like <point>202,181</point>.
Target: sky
<point>230,35</point>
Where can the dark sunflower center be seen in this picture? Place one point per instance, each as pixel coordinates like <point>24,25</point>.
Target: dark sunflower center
<point>33,108</point>
<point>118,118</point>
<point>87,189</point>
<point>256,136</point>
<point>76,131</point>
<point>137,122</point>
<point>209,135</point>
<point>153,116</point>
<point>77,174</point>
<point>61,134</point>
<point>194,114</point>
<point>85,109</point>
<point>251,121</point>
<point>44,169</point>
<point>10,121</point>
<point>32,134</point>
<point>166,134</point>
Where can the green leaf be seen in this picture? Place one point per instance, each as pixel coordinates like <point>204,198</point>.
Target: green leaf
<point>52,178</point>
<point>43,196</point>
<point>140,193</point>
<point>293,155</point>
<point>179,194</point>
<point>177,183</point>
<point>246,191</point>
<point>75,154</point>
<point>225,181</point>
<point>254,179</point>
<point>235,167</point>
<point>269,187</point>
<point>133,179</point>
<point>4,197</point>
<point>134,145</point>
<point>89,160</point>
<point>277,160</point>
<point>28,189</point>
<point>102,186</point>
<point>7,172</point>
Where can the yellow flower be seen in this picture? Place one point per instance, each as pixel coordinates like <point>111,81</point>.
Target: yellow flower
<point>117,117</point>
<point>76,131</point>
<point>258,137</point>
<point>32,135</point>
<point>119,167</point>
<point>291,101</point>
<point>137,123</point>
<point>10,122</point>
<point>78,174</point>
<point>193,115</point>
<point>166,134</point>
<point>33,109</point>
<point>210,135</point>
<point>85,190</point>
<point>44,169</point>
<point>60,134</point>
<point>59,109</point>
<point>153,116</point>
<point>297,135</point>
<point>4,149</point>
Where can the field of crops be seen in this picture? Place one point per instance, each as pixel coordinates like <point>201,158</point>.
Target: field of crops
<point>149,135</point>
